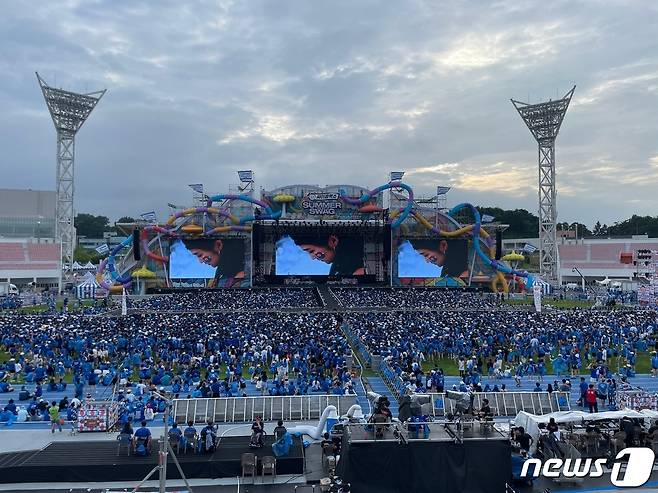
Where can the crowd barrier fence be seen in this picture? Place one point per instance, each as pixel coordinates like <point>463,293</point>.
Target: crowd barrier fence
<point>270,408</point>
<point>507,403</point>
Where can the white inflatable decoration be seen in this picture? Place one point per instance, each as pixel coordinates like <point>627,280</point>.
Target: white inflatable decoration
<point>329,413</point>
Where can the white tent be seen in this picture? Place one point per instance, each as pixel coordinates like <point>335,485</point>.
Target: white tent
<point>531,422</point>
<point>87,288</point>
<point>89,266</point>
<point>77,266</point>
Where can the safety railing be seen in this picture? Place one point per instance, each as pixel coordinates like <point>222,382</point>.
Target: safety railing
<point>270,408</point>
<point>372,432</point>
<point>507,403</point>
<point>392,380</point>
<point>364,354</point>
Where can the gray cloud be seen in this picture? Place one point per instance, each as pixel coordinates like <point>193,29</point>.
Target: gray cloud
<point>322,92</point>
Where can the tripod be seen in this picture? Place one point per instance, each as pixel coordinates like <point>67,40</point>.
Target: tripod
<point>164,450</point>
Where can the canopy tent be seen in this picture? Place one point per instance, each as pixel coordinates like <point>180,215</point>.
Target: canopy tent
<point>88,287</point>
<point>89,266</point>
<point>77,266</point>
<point>531,422</point>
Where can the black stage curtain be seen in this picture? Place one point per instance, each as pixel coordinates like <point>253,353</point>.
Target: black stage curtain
<point>482,466</point>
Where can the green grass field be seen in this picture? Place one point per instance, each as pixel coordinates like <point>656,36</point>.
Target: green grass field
<point>565,304</point>
<point>58,306</point>
<point>449,365</point>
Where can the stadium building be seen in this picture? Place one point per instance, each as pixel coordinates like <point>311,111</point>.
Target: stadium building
<point>29,252</point>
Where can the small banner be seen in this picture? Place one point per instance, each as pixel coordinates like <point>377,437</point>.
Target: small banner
<point>103,249</point>
<point>536,291</point>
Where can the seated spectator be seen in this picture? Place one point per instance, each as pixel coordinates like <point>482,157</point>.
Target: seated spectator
<point>280,430</point>
<point>142,440</point>
<point>189,435</point>
<point>11,407</point>
<point>127,428</point>
<point>208,437</point>
<point>485,412</point>
<point>175,434</point>
<point>523,439</point>
<point>24,394</point>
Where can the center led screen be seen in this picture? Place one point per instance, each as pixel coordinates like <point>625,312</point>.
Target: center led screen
<point>319,255</point>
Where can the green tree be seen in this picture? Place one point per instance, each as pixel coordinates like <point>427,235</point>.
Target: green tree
<point>91,226</point>
<point>597,229</point>
<point>522,224</point>
<point>126,219</point>
<point>83,255</point>
<point>635,225</point>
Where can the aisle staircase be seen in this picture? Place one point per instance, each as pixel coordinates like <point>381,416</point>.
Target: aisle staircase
<point>328,298</point>
<point>379,386</point>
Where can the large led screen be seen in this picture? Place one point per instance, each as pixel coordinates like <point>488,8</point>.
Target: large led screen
<point>207,258</point>
<point>319,255</point>
<point>432,258</point>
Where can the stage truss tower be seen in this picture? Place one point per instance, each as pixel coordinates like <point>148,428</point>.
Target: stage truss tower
<point>69,110</point>
<point>543,121</point>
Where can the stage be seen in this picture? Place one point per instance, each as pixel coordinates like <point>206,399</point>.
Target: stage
<point>432,466</point>
<point>97,461</point>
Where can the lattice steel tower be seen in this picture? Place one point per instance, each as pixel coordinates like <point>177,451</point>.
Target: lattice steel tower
<point>544,120</point>
<point>69,110</point>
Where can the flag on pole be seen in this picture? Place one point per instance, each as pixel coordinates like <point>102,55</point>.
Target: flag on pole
<point>149,217</point>
<point>537,291</point>
<point>396,175</point>
<point>486,218</point>
<point>124,303</point>
<point>197,187</point>
<point>174,206</point>
<point>442,190</point>
<point>528,248</point>
<point>246,175</point>
<point>103,249</point>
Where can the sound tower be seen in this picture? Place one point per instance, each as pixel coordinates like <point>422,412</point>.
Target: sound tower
<point>255,249</point>
<point>137,254</point>
<point>387,242</point>
<point>499,244</point>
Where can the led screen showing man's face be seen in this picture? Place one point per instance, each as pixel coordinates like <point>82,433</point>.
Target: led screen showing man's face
<point>207,258</point>
<point>432,258</point>
<point>319,255</point>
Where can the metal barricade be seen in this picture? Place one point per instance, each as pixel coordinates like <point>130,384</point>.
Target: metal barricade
<point>270,408</point>
<point>508,403</point>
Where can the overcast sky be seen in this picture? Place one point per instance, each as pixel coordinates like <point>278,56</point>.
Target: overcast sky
<point>336,92</point>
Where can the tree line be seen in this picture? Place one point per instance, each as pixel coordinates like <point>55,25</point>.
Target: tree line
<point>522,224</point>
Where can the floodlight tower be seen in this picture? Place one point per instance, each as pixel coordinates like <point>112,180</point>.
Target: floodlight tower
<point>543,121</point>
<point>69,110</point>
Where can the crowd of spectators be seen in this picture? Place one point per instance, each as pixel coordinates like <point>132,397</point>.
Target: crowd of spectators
<point>191,355</point>
<point>416,299</point>
<point>230,299</point>
<point>507,343</point>
<point>241,352</point>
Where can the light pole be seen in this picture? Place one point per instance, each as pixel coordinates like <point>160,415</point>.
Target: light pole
<point>582,278</point>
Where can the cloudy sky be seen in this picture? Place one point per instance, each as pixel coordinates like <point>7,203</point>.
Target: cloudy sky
<point>336,92</point>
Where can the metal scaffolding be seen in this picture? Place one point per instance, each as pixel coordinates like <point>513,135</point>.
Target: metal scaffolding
<point>543,121</point>
<point>69,110</point>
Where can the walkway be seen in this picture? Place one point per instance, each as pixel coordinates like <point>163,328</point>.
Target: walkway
<point>377,384</point>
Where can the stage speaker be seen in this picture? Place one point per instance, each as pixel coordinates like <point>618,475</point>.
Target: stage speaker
<point>387,242</point>
<point>499,244</point>
<point>137,254</point>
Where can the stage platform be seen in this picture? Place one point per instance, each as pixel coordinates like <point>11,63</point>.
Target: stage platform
<point>426,466</point>
<point>97,461</point>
